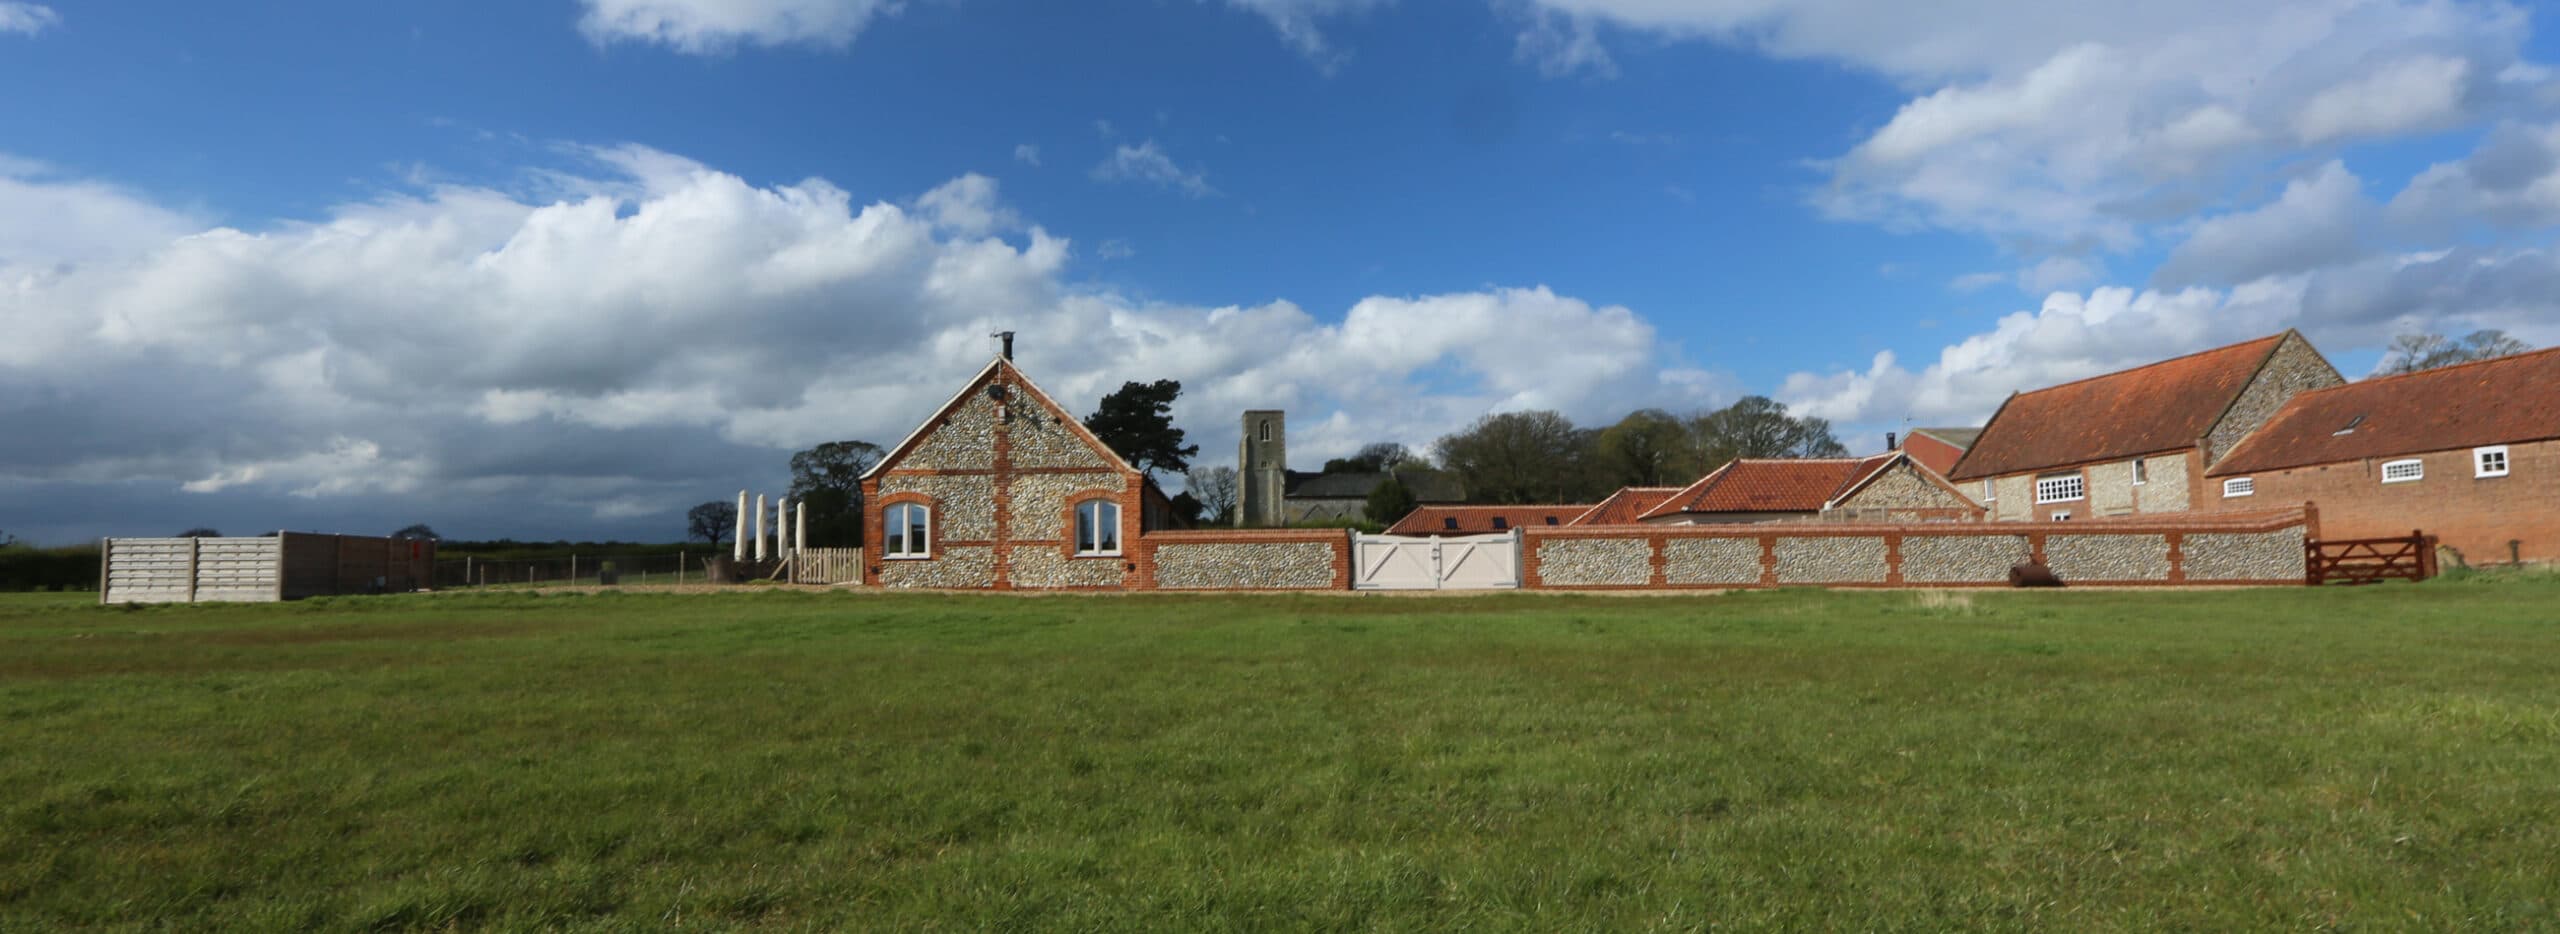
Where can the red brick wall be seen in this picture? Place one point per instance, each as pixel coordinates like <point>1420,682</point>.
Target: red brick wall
<point>2476,516</point>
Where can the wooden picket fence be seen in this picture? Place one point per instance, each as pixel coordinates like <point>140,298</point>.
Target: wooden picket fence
<point>827,566</point>
<point>2370,560</point>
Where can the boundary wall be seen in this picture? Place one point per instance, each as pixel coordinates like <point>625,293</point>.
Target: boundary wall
<point>2251,549</point>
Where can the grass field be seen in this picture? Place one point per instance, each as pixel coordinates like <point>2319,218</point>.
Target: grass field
<point>2379,758</point>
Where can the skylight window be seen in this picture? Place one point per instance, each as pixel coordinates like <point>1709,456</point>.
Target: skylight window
<point>2351,427</point>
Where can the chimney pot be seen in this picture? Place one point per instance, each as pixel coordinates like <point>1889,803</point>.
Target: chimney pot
<point>1891,443</point>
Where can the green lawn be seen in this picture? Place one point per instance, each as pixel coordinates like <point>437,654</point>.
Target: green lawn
<point>2386,757</point>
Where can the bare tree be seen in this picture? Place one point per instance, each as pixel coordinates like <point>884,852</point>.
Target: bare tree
<point>712,521</point>
<point>1215,488</point>
<point>2411,353</point>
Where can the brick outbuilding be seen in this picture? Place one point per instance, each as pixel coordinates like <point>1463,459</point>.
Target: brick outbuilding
<point>2467,453</point>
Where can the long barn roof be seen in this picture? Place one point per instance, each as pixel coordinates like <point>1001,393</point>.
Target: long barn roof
<point>2506,400</point>
<point>2165,406</point>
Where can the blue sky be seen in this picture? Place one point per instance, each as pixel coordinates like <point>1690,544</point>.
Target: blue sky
<point>563,269</point>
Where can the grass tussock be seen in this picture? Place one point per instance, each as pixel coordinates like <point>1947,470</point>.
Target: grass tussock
<point>2377,757</point>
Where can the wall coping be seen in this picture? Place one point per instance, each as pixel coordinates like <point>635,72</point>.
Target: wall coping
<point>2258,521</point>
<point>1245,536</point>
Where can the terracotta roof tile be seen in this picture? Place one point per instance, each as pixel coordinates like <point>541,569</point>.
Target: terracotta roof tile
<point>2506,400</point>
<point>1796,485</point>
<point>1625,506</point>
<point>1479,520</point>
<point>2145,410</point>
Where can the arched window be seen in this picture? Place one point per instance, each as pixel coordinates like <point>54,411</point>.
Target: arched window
<point>1266,431</point>
<point>906,531</point>
<point>1097,527</point>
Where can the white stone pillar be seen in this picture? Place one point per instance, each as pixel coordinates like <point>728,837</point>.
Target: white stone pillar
<point>738,542</point>
<point>782,528</point>
<point>759,527</point>
<point>800,527</point>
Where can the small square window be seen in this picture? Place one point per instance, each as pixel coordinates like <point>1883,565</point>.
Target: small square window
<point>2141,472</point>
<point>2239,486</point>
<point>1450,523</point>
<point>1990,491</point>
<point>2489,461</point>
<point>1551,520</point>
<point>2404,471</point>
<point>2063,516</point>
<point>1500,523</point>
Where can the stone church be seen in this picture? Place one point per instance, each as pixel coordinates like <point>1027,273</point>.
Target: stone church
<point>1269,494</point>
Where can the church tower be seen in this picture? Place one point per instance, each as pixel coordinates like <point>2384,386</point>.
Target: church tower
<point>1262,468</point>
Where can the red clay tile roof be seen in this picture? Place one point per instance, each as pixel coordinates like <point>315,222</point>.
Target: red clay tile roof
<point>1625,506</point>
<point>1798,485</point>
<point>2506,400</point>
<point>2165,406</point>
<point>1939,448</point>
<point>1479,520</point>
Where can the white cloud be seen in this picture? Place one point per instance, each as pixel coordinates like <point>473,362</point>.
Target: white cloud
<point>2082,121</point>
<point>1115,248</point>
<point>2512,180</point>
<point>347,466</point>
<point>1977,281</point>
<point>2056,272</point>
<point>2420,93</point>
<point>1148,163</point>
<point>711,26</point>
<point>1027,154</point>
<point>1295,20</point>
<point>669,331</point>
<point>969,206</point>
<point>1562,45</point>
<point>2317,222</point>
<point>79,219</point>
<point>29,18</point>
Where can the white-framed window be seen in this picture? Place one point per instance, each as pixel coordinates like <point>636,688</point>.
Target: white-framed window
<point>2060,488</point>
<point>2063,516</point>
<point>1990,491</point>
<point>2239,486</point>
<point>906,531</point>
<point>2403,471</point>
<point>2141,472</point>
<point>2490,461</point>
<point>1097,527</point>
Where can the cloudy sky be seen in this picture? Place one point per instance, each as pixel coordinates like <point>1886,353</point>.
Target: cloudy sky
<point>563,268</point>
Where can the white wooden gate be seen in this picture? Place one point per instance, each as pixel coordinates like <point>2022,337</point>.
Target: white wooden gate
<point>1467,562</point>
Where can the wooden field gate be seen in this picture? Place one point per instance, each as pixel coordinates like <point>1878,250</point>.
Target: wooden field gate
<point>2370,560</point>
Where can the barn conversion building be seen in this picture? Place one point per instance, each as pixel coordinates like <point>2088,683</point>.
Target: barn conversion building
<point>2137,441</point>
<point>2469,453</point>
